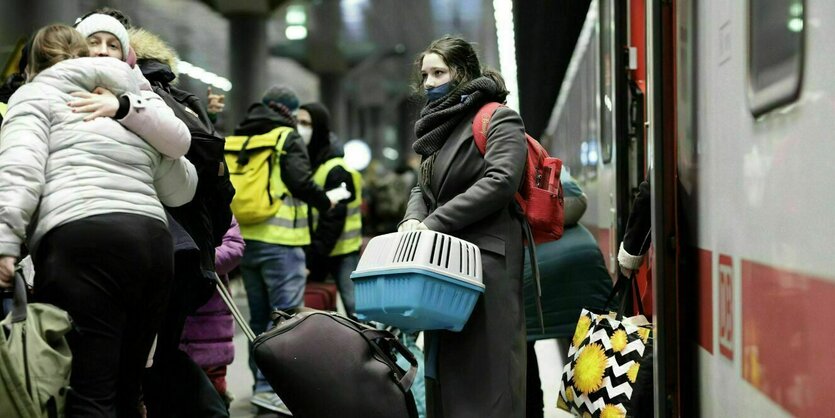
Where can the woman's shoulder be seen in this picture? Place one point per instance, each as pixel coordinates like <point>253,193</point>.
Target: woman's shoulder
<point>501,113</point>
<point>504,113</point>
<point>34,90</point>
<point>89,73</point>
<point>502,121</point>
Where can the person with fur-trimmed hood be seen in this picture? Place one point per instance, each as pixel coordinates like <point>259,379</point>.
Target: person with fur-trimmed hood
<point>145,114</point>
<point>175,385</point>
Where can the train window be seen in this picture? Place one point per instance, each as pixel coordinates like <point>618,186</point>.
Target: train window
<point>775,62</point>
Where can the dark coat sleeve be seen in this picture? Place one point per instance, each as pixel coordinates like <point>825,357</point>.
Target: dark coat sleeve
<point>637,238</point>
<point>297,175</point>
<point>416,208</point>
<point>331,223</point>
<point>504,162</point>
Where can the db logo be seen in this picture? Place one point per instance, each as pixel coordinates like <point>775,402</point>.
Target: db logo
<point>726,306</point>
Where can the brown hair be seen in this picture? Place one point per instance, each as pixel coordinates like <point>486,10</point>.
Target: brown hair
<point>462,60</point>
<point>53,44</point>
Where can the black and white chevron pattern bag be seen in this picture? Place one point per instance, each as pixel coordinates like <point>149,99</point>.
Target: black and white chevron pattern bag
<point>609,368</point>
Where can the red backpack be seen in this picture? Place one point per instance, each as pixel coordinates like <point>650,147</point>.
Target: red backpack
<point>541,195</point>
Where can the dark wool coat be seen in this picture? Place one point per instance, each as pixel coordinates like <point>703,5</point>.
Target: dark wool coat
<point>481,370</point>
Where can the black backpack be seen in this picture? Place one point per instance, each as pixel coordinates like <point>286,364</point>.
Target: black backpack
<point>208,216</point>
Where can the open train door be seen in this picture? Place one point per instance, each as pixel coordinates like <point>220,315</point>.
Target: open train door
<point>662,172</point>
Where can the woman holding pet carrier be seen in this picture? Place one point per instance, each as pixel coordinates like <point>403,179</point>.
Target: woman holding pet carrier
<point>480,371</point>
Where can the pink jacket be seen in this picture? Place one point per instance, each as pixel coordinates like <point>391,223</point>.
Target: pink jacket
<point>208,334</point>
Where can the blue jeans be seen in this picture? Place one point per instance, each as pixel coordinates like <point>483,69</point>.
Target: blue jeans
<point>274,278</point>
<point>346,264</point>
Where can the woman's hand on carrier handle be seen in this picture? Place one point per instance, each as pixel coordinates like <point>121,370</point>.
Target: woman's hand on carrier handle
<point>408,225</point>
<point>7,270</point>
<point>412,225</point>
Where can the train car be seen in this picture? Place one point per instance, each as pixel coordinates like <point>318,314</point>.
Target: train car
<point>727,107</point>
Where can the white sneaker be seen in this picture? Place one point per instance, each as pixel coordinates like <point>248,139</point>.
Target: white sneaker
<point>270,401</point>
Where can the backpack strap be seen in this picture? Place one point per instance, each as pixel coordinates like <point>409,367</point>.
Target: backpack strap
<point>535,271</point>
<point>481,124</point>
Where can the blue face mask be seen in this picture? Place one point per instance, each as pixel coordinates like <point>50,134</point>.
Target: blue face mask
<point>437,92</point>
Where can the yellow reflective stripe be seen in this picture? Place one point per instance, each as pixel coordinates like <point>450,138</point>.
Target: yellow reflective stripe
<point>293,237</point>
<point>293,202</point>
<point>349,242</point>
<point>287,223</point>
<point>351,234</point>
<point>352,211</point>
<point>3,108</point>
<point>289,226</point>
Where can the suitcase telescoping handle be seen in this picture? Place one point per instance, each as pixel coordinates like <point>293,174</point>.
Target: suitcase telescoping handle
<point>230,303</point>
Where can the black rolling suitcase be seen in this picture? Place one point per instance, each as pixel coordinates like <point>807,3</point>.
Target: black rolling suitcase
<point>324,365</point>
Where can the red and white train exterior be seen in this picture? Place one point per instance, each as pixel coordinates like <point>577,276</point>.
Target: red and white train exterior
<point>729,108</point>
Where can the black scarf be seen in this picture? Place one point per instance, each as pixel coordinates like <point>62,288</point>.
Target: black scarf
<point>439,118</point>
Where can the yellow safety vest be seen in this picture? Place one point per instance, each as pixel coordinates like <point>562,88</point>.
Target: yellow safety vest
<point>3,108</point>
<point>351,238</point>
<point>289,225</point>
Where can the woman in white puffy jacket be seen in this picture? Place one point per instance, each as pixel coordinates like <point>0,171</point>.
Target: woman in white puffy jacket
<point>85,196</point>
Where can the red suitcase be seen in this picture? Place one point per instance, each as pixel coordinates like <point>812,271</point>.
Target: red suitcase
<point>321,296</point>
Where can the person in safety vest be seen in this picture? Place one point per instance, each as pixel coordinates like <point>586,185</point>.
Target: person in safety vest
<point>273,266</point>
<point>336,235</point>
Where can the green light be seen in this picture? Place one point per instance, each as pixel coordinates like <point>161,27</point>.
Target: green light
<point>796,25</point>
<point>296,15</point>
<point>796,10</point>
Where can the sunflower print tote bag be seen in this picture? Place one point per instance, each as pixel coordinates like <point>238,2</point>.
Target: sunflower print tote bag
<point>609,369</point>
